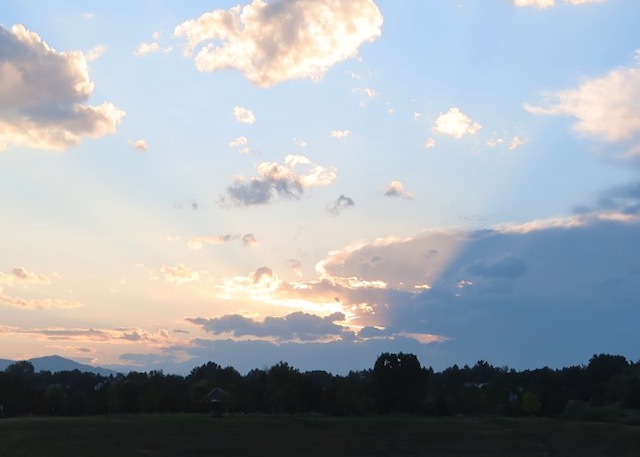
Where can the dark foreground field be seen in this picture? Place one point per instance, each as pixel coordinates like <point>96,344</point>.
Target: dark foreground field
<point>193,435</point>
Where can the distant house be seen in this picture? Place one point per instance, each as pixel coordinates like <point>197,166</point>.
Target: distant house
<point>217,401</point>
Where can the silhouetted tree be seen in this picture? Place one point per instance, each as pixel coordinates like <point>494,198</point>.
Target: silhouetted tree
<point>400,383</point>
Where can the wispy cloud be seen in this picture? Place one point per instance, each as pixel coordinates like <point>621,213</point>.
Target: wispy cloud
<point>430,143</point>
<point>198,242</point>
<point>20,276</point>
<point>38,303</point>
<point>249,240</point>
<point>123,335</point>
<point>180,274</point>
<point>343,202</point>
<point>95,52</point>
<point>152,47</point>
<point>277,41</point>
<point>514,143</point>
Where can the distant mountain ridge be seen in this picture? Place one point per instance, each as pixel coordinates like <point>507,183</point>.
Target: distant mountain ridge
<point>55,363</point>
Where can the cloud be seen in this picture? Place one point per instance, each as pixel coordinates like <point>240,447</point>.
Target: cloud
<point>138,145</point>
<point>271,42</point>
<point>275,180</point>
<point>193,204</point>
<point>153,47</point>
<point>343,202</point>
<point>624,199</point>
<point>536,3</point>
<point>249,240</point>
<point>240,141</point>
<point>21,277</point>
<point>198,242</point>
<point>38,303</point>
<point>605,108</point>
<point>396,189</point>
<point>294,264</point>
<point>262,275</point>
<point>430,143</point>
<point>180,274</point>
<point>340,133</point>
<point>96,51</point>
<point>536,285</point>
<point>243,115</point>
<point>543,4</point>
<point>512,294</point>
<point>368,92</point>
<point>296,326</point>
<point>455,123</point>
<point>514,143</point>
<point>122,335</point>
<point>42,95</point>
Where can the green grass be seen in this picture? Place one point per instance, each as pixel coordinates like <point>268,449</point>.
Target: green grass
<point>195,435</point>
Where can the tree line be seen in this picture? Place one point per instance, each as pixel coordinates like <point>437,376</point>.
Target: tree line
<point>396,384</point>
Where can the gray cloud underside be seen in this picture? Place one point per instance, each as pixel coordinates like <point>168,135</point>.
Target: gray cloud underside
<point>299,325</point>
<point>260,191</point>
<point>500,294</point>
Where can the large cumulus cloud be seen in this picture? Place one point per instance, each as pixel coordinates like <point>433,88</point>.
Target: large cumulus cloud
<point>508,294</point>
<point>275,41</point>
<point>43,95</point>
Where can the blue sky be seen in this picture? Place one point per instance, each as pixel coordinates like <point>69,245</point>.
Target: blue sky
<point>319,182</point>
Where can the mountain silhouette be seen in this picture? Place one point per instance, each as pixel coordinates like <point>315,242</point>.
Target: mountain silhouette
<point>55,363</point>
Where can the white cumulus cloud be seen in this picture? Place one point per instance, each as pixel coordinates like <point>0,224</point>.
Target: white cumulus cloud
<point>455,123</point>
<point>244,115</point>
<point>271,42</point>
<point>43,94</point>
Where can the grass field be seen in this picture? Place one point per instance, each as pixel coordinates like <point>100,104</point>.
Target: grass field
<point>195,435</point>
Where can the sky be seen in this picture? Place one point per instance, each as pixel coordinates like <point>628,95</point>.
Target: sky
<point>319,181</point>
